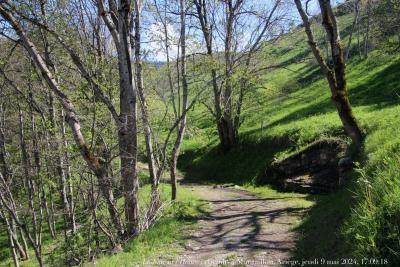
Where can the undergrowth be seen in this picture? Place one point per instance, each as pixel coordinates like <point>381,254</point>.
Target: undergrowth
<point>165,236</point>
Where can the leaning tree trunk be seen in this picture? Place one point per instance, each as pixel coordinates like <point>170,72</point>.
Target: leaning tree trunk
<point>339,90</point>
<point>336,75</point>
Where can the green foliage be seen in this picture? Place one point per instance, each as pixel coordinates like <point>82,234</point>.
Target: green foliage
<point>386,16</point>
<point>164,236</point>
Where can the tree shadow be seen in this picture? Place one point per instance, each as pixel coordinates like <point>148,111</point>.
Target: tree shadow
<point>240,165</point>
<point>319,232</point>
<point>251,199</point>
<point>309,75</point>
<point>382,90</point>
<point>238,230</point>
<point>301,56</point>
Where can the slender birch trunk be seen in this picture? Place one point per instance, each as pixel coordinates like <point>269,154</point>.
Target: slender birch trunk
<point>10,235</point>
<point>144,108</point>
<point>7,201</point>
<point>185,94</point>
<point>353,27</point>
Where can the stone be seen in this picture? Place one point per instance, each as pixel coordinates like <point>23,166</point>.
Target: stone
<point>73,262</point>
<point>345,163</point>
<point>118,248</point>
<point>315,169</point>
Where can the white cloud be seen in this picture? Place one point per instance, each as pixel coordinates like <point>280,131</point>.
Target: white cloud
<point>155,48</point>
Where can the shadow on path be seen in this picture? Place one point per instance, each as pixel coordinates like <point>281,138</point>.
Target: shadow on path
<point>242,226</point>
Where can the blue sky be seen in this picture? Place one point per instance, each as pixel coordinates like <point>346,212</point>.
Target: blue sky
<point>153,32</point>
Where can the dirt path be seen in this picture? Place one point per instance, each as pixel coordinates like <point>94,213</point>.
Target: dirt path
<point>241,229</point>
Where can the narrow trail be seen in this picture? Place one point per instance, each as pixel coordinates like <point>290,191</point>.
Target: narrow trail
<point>241,229</point>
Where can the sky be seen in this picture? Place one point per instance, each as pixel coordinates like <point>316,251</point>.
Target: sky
<point>153,30</point>
<point>153,33</point>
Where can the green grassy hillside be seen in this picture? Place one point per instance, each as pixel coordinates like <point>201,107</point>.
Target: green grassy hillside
<point>293,109</point>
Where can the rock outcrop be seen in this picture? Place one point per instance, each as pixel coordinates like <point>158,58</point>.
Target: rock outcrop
<point>319,168</point>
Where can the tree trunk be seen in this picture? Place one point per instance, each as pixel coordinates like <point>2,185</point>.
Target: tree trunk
<point>29,182</point>
<point>3,164</point>
<point>60,166</point>
<point>230,130</point>
<point>353,26</point>
<point>226,133</point>
<point>145,114</point>
<point>185,94</point>
<point>49,210</point>
<point>42,200</point>
<point>128,131</point>
<point>10,236</point>
<point>22,250</point>
<point>7,200</point>
<point>336,76</point>
<point>339,88</point>
<point>366,38</point>
<point>65,181</point>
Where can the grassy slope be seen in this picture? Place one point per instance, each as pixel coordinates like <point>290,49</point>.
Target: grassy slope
<point>293,109</point>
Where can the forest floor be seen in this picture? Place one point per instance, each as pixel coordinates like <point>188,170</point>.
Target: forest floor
<point>241,229</point>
